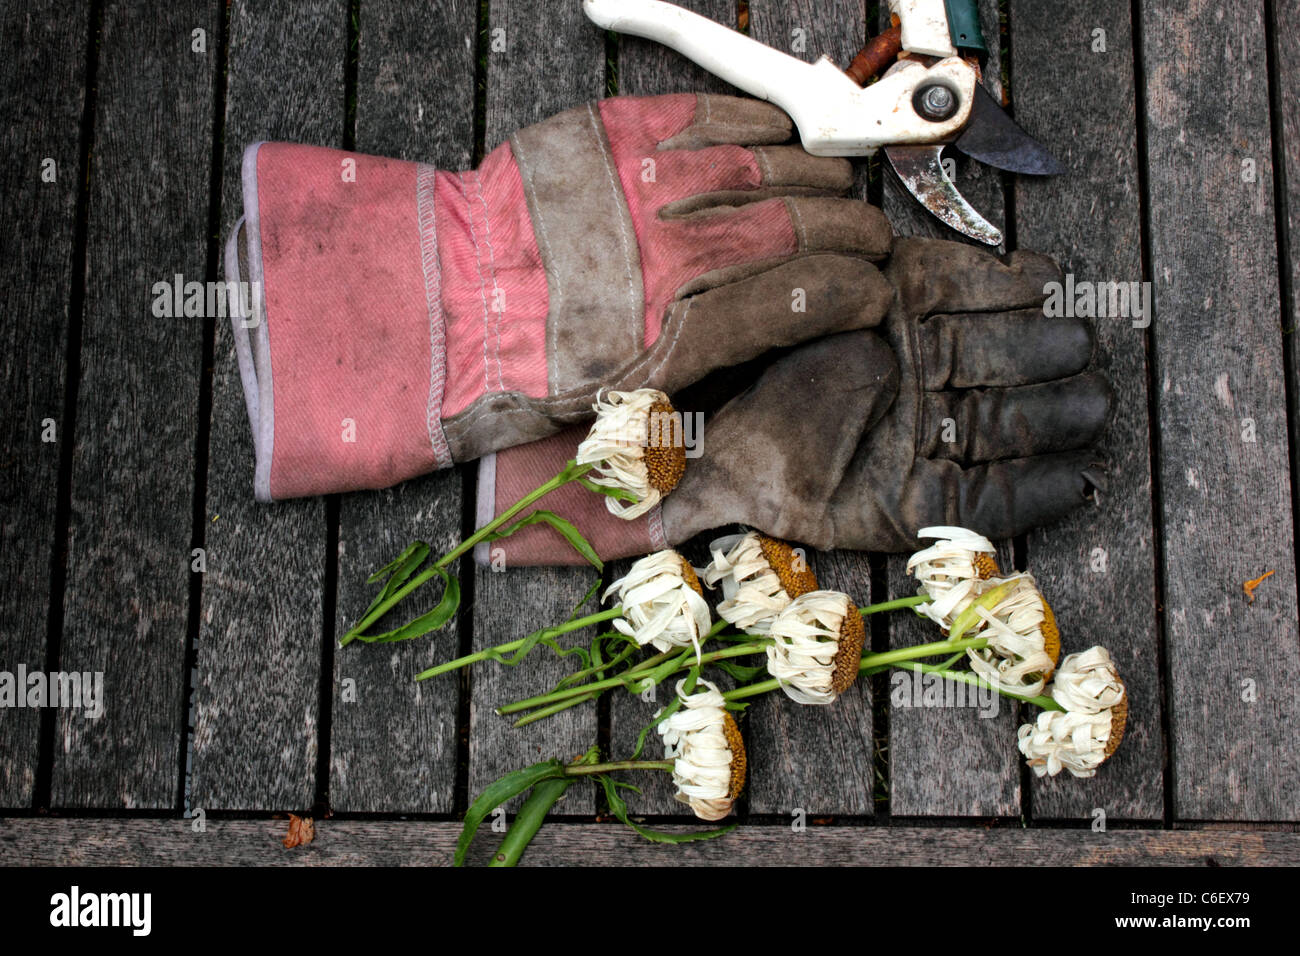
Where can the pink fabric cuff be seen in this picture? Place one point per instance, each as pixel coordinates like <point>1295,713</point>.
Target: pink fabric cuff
<point>343,357</point>
<point>505,477</point>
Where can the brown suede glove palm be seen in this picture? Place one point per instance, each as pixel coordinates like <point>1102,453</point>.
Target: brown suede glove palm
<point>965,406</point>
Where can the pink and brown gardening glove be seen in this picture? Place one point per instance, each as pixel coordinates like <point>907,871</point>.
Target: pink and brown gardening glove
<point>967,406</point>
<point>406,318</point>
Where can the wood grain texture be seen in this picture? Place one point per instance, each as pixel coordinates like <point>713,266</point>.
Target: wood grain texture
<point>256,700</point>
<point>81,842</point>
<point>948,761</point>
<point>393,748</point>
<point>815,759</point>
<point>133,468</point>
<point>553,59</point>
<point>1222,430</point>
<point>646,68</point>
<point>43,82</point>
<point>1081,103</point>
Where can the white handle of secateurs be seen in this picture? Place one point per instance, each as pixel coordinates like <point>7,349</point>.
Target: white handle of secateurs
<point>834,115</point>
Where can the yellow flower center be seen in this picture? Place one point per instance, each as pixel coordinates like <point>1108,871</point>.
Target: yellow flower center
<point>848,656</point>
<point>1118,721</point>
<point>665,452</point>
<point>1051,636</point>
<point>738,761</point>
<point>691,578</point>
<point>986,565</point>
<point>791,569</point>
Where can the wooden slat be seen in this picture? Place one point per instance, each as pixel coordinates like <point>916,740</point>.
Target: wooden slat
<point>1226,500</point>
<point>815,759</point>
<point>1081,103</point>
<point>393,747</point>
<point>949,761</point>
<point>133,468</point>
<point>40,118</point>
<point>550,63</point>
<point>646,68</point>
<point>259,648</point>
<point>81,842</point>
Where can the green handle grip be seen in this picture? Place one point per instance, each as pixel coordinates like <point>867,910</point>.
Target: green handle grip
<point>964,25</point>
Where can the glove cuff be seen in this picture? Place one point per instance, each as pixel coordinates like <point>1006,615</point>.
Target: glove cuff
<point>339,331</point>
<point>508,475</point>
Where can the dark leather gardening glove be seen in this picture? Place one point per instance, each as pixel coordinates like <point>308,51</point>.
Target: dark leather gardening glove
<point>967,407</point>
<point>406,318</point>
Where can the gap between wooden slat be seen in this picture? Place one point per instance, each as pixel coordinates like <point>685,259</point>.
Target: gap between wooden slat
<point>1286,288</point>
<point>72,383</point>
<point>198,520</point>
<point>1153,411</point>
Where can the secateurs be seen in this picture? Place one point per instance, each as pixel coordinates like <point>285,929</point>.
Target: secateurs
<point>928,96</point>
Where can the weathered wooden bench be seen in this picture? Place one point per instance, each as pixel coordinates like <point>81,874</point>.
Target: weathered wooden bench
<point>126,450</point>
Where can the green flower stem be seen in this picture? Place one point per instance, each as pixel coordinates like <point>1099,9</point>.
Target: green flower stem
<point>934,649</point>
<point>685,659</point>
<point>572,472</point>
<point>489,652</point>
<point>582,770</point>
<point>894,604</point>
<point>553,709</point>
<point>598,669</point>
<point>582,689</point>
<point>974,680</point>
<point>872,663</point>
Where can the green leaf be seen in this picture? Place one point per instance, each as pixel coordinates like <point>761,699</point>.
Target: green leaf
<point>402,566</point>
<point>565,528</point>
<point>621,494</point>
<point>425,623</point>
<point>619,808</point>
<point>742,672</point>
<point>400,569</point>
<point>497,793</point>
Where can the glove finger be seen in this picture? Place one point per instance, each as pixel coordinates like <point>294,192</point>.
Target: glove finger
<point>1001,499</point>
<point>732,119</point>
<point>1001,423</point>
<point>935,275</point>
<point>1001,348</point>
<point>795,301</point>
<point>732,175</point>
<point>717,238</point>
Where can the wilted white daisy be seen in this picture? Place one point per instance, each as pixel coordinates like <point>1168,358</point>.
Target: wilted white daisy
<point>1023,640</point>
<point>816,646</point>
<point>663,603</point>
<point>635,445</point>
<point>950,570</point>
<point>1084,735</point>
<point>759,576</point>
<point>1088,682</point>
<point>707,751</point>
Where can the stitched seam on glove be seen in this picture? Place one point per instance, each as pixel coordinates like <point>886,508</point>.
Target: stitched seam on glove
<point>424,189</point>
